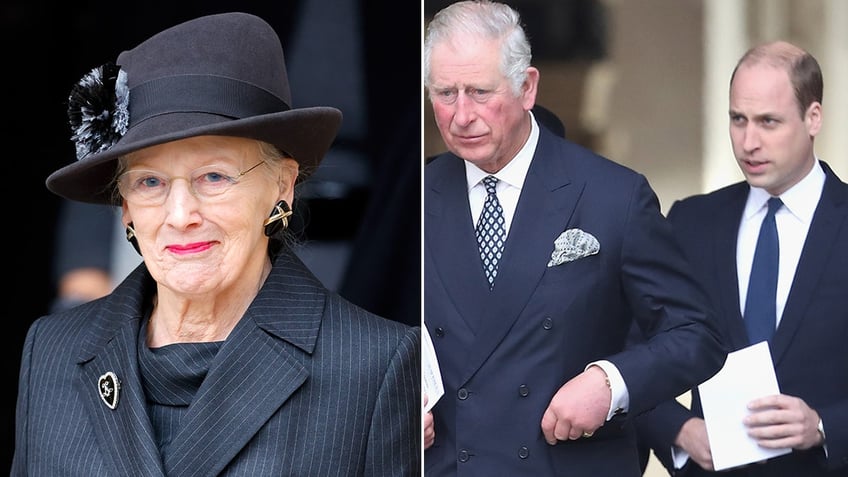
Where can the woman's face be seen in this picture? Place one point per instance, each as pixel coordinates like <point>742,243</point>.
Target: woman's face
<point>198,205</point>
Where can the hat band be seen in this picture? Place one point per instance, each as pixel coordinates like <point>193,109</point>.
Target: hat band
<point>201,93</point>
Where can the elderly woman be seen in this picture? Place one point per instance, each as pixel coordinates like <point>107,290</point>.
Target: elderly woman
<point>221,354</point>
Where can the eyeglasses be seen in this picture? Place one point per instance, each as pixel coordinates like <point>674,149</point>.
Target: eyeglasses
<point>145,187</point>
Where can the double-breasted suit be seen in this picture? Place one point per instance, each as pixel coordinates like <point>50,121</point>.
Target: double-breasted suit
<point>808,346</point>
<point>504,353</point>
<point>307,384</point>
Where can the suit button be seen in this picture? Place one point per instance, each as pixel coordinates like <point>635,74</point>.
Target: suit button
<point>548,323</point>
<point>463,455</point>
<point>462,394</point>
<point>523,390</point>
<point>440,332</point>
<point>523,452</point>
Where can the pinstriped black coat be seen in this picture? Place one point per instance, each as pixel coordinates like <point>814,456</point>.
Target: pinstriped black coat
<point>307,384</point>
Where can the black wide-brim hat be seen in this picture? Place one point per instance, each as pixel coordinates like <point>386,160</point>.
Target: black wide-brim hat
<point>221,74</point>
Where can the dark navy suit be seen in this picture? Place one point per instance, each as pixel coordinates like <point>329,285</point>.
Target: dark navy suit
<point>504,353</point>
<point>809,347</point>
<point>307,384</point>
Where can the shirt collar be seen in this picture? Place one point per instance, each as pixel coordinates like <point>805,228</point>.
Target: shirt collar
<point>800,200</point>
<point>515,170</point>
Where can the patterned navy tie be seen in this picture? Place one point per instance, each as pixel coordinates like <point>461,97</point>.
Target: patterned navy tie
<point>491,233</point>
<point>760,305</point>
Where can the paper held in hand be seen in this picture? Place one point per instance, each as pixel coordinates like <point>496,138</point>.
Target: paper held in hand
<point>431,376</point>
<point>747,374</point>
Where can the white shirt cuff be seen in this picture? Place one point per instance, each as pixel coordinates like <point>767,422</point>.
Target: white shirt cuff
<point>679,457</point>
<point>620,398</point>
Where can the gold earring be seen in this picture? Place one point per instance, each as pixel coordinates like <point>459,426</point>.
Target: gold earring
<point>131,238</point>
<point>278,220</point>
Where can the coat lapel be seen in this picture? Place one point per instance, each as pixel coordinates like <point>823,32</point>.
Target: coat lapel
<point>255,372</point>
<point>124,433</point>
<point>729,216</point>
<point>451,243</point>
<point>822,237</point>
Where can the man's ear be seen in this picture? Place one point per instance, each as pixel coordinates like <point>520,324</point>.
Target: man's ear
<point>530,88</point>
<point>813,118</point>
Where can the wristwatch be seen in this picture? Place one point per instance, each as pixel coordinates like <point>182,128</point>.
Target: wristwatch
<point>821,429</point>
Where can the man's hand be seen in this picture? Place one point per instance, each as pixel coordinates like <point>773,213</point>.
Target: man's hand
<point>429,428</point>
<point>580,406</point>
<point>783,421</point>
<point>692,438</point>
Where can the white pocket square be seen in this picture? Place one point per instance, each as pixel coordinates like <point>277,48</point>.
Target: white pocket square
<point>573,244</point>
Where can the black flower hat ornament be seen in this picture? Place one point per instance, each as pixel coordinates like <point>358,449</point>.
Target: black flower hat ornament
<point>98,109</point>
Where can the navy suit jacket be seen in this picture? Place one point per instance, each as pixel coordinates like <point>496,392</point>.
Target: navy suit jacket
<point>809,345</point>
<point>504,353</point>
<point>307,384</point>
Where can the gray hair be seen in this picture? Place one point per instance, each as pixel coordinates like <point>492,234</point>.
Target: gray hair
<point>485,19</point>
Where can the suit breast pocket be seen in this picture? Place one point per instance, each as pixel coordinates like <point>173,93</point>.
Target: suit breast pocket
<point>581,270</point>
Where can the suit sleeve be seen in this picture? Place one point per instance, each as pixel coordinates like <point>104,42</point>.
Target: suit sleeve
<point>19,460</point>
<point>682,345</point>
<point>394,440</point>
<point>657,428</point>
<point>836,432</point>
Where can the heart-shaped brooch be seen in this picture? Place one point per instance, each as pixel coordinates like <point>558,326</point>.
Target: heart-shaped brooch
<point>109,386</point>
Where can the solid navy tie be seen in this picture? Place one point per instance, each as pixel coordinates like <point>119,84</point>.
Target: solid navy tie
<point>760,305</point>
<point>491,231</point>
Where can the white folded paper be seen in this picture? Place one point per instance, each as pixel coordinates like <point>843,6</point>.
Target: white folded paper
<point>431,376</point>
<point>747,374</point>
